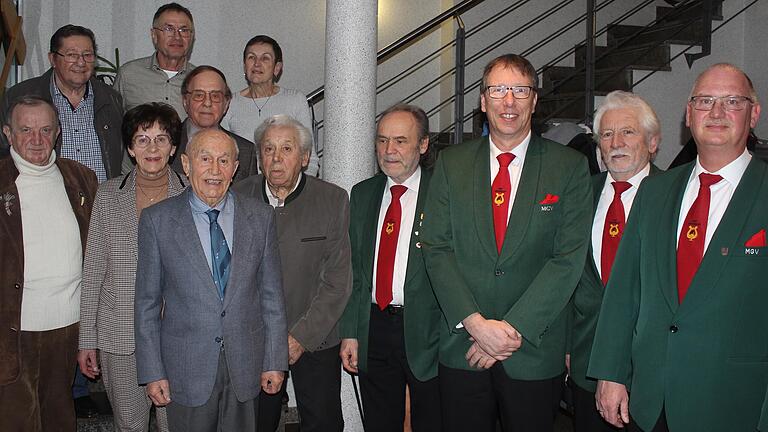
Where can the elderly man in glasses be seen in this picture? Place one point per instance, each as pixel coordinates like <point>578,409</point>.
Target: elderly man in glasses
<point>206,99</point>
<point>683,323</point>
<point>504,238</point>
<point>91,112</point>
<point>158,77</point>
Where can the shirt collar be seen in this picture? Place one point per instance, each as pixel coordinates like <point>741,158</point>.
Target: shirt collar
<point>55,88</point>
<point>411,183</point>
<point>274,201</point>
<point>518,151</point>
<point>153,64</point>
<point>199,206</point>
<point>636,179</point>
<point>732,172</point>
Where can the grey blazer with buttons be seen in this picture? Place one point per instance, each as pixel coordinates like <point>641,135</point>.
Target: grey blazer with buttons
<point>183,343</point>
<point>312,230</point>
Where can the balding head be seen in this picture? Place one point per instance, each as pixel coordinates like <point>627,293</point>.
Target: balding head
<point>210,162</point>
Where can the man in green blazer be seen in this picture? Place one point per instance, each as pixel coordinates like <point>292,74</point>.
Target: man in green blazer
<point>391,326</point>
<point>506,227</point>
<point>680,342</point>
<point>628,134</point>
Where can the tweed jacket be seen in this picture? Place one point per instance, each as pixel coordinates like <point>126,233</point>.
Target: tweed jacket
<point>109,269</point>
<point>312,232</point>
<point>80,184</point>
<point>107,116</point>
<point>184,343</point>
<point>247,154</point>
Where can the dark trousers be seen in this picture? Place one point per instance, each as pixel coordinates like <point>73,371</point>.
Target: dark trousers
<point>317,384</point>
<point>660,426</point>
<point>222,411</point>
<point>473,400</point>
<point>383,383</point>
<point>41,398</point>
<point>585,415</point>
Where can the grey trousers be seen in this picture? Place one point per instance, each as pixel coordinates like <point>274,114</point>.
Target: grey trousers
<point>221,413</point>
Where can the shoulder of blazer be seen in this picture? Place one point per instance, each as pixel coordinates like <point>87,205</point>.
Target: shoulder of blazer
<point>317,186</point>
<point>369,185</point>
<point>104,95</point>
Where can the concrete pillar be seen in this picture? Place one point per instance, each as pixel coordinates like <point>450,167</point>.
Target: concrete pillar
<point>350,116</point>
<point>350,91</point>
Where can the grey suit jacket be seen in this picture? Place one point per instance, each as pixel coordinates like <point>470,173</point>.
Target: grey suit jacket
<point>109,267</point>
<point>312,230</point>
<point>183,344</point>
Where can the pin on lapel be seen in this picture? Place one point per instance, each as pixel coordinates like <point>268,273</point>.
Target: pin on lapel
<point>724,251</point>
<point>82,198</point>
<point>8,199</point>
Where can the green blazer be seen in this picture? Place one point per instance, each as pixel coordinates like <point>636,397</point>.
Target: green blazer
<point>585,304</point>
<point>422,319</point>
<point>543,255</point>
<point>704,361</point>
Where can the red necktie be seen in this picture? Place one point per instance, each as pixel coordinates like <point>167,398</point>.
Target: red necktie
<point>500,192</point>
<point>613,229</point>
<point>690,246</point>
<point>385,264</point>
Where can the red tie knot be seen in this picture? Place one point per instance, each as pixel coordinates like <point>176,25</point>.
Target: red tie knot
<point>708,180</point>
<point>619,187</point>
<point>397,191</point>
<point>505,159</point>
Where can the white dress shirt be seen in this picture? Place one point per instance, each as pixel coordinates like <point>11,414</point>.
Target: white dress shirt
<point>606,197</point>
<point>408,206</point>
<point>721,193</point>
<point>515,168</point>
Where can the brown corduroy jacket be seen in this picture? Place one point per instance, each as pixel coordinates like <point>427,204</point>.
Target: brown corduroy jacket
<point>80,184</point>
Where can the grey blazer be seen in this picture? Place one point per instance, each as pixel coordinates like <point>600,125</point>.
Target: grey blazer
<point>183,345</point>
<point>109,267</point>
<point>313,233</point>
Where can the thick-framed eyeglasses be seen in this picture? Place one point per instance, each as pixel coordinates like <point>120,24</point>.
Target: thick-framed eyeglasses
<point>73,57</point>
<point>518,92</point>
<point>169,31</point>
<point>216,96</point>
<point>730,103</point>
<point>143,141</point>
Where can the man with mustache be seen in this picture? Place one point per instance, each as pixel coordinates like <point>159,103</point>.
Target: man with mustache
<point>680,342</point>
<point>628,134</point>
<point>505,235</point>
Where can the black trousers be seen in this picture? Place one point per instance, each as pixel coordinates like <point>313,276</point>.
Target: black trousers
<point>474,400</point>
<point>585,415</point>
<point>317,384</point>
<point>661,424</point>
<point>383,383</point>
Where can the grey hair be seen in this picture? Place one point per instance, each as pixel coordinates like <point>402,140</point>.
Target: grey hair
<point>618,99</point>
<point>283,120</point>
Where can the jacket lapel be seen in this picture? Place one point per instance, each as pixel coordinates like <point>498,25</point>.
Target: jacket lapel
<point>189,242</point>
<point>371,230</point>
<point>415,260</point>
<point>126,201</point>
<point>243,239</point>
<point>481,176</point>
<point>666,238</point>
<point>525,200</point>
<point>598,182</point>
<point>726,237</point>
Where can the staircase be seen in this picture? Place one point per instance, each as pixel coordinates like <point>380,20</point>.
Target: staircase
<point>629,48</point>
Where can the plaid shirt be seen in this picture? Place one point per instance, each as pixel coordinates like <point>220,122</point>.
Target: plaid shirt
<point>78,135</point>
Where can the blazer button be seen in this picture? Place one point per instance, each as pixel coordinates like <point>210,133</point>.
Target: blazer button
<point>673,329</point>
<point>498,272</point>
<point>17,286</point>
<point>223,313</point>
<point>218,339</point>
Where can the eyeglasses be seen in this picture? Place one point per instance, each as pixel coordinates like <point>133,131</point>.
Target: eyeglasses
<point>216,96</point>
<point>518,92</point>
<point>169,31</point>
<point>730,103</point>
<point>144,141</point>
<point>72,57</point>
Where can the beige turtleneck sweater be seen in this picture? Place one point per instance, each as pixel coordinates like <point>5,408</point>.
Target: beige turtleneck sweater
<point>53,255</point>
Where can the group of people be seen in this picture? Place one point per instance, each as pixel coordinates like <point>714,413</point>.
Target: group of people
<point>154,253</point>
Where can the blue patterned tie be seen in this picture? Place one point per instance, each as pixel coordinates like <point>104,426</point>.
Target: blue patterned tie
<point>220,255</point>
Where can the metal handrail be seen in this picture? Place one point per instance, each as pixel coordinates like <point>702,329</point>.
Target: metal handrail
<point>318,94</point>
